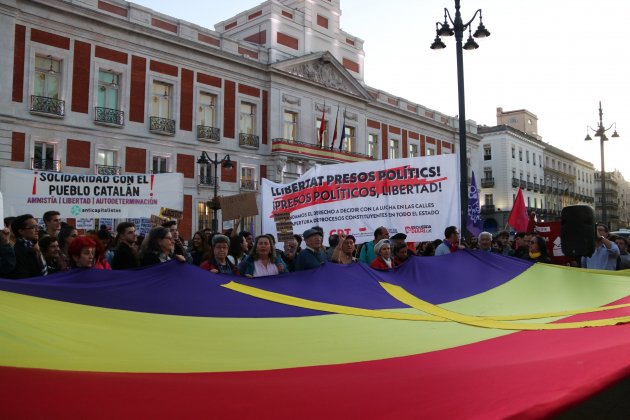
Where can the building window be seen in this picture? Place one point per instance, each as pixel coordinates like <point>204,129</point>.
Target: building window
<point>349,142</point>
<point>107,162</point>
<point>247,119</point>
<point>108,84</point>
<point>160,164</point>
<point>487,152</point>
<point>205,214</point>
<point>206,113</point>
<point>489,199</point>
<point>520,154</point>
<point>513,152</point>
<point>393,149</point>
<point>533,158</point>
<point>44,157</point>
<point>527,155</point>
<point>431,151</point>
<point>248,178</point>
<point>47,77</point>
<point>290,121</point>
<point>487,173</point>
<point>413,150</point>
<point>372,146</point>
<point>161,100</point>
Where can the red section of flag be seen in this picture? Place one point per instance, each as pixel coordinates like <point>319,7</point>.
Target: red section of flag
<point>322,127</point>
<point>518,216</point>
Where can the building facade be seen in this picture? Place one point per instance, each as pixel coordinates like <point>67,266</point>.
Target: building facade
<point>615,199</point>
<point>112,87</point>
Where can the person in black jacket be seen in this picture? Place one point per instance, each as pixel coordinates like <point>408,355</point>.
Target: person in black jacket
<point>126,253</point>
<point>29,261</point>
<point>158,247</point>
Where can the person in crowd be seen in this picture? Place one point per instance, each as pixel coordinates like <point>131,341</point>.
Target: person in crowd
<point>333,240</point>
<point>7,255</point>
<point>345,250</point>
<point>82,252</point>
<point>538,250</point>
<point>484,242</point>
<point>383,260</point>
<point>158,247</point>
<point>401,253</point>
<point>298,239</point>
<point>218,262</point>
<point>49,245</point>
<point>521,245</point>
<point>262,260</point>
<point>502,245</point>
<point>198,249</point>
<point>7,227</point>
<point>623,262</point>
<point>52,224</point>
<point>290,253</point>
<point>178,244</point>
<point>606,252</point>
<point>100,253</point>
<point>106,239</point>
<point>126,252</point>
<point>67,234</point>
<point>314,255</point>
<point>400,238</point>
<point>249,238</point>
<point>450,242</point>
<point>238,249</point>
<point>29,261</point>
<point>367,253</point>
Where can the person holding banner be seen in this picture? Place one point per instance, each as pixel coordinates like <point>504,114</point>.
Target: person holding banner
<point>450,242</point>
<point>383,260</point>
<point>158,247</point>
<point>538,250</point>
<point>262,260</point>
<point>219,263</point>
<point>29,261</point>
<point>82,252</point>
<point>344,251</point>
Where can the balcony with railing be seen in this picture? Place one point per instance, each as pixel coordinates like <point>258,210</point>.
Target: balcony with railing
<point>249,141</point>
<point>555,190</point>
<point>549,189</point>
<point>109,116</point>
<point>305,150</point>
<point>487,209</point>
<point>46,165</point>
<point>536,187</point>
<point>164,126</point>
<point>207,180</point>
<point>530,186</point>
<point>523,184</point>
<point>487,182</point>
<point>205,133</point>
<point>48,106</point>
<point>515,182</point>
<point>108,170</point>
<point>249,185</point>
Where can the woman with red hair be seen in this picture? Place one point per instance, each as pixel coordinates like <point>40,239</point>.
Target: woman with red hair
<point>83,252</point>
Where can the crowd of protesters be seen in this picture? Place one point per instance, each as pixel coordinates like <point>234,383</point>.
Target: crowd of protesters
<point>26,250</point>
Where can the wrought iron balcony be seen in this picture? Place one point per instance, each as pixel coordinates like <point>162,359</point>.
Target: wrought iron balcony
<point>487,182</point>
<point>109,116</point>
<point>48,106</point>
<point>207,180</point>
<point>515,182</point>
<point>46,165</point>
<point>249,184</point>
<point>208,133</point>
<point>162,126</point>
<point>555,190</point>
<point>530,186</point>
<point>487,209</point>
<point>248,140</point>
<point>108,170</point>
<point>536,187</point>
<point>523,184</point>
<point>296,148</point>
<point>549,189</point>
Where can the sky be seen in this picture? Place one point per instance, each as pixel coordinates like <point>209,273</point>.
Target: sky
<point>557,59</point>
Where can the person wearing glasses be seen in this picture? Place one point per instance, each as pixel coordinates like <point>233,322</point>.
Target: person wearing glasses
<point>29,261</point>
<point>158,247</point>
<point>450,242</point>
<point>126,253</point>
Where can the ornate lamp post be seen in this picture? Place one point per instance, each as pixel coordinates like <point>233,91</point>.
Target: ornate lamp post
<point>226,163</point>
<point>458,29</point>
<point>601,133</point>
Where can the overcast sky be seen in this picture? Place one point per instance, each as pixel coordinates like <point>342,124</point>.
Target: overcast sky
<point>557,59</point>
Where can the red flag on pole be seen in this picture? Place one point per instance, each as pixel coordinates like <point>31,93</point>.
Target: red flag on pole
<point>335,131</point>
<point>322,126</point>
<point>518,216</point>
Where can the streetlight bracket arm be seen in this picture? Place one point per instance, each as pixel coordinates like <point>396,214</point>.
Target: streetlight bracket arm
<point>448,14</point>
<point>467,24</point>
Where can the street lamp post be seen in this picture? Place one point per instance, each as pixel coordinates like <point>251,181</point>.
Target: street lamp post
<point>601,133</point>
<point>226,163</point>
<point>458,29</point>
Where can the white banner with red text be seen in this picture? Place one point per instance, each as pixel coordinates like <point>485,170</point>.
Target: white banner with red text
<point>416,196</point>
<point>89,195</point>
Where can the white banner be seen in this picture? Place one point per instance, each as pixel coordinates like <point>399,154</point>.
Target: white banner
<point>89,196</point>
<point>415,196</point>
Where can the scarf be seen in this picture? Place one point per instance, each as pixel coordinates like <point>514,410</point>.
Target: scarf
<point>534,255</point>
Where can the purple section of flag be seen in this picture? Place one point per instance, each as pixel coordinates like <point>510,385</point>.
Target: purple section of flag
<point>474,224</point>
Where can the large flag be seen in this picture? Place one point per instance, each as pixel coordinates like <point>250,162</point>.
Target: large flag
<point>518,216</point>
<point>322,126</point>
<point>332,144</point>
<point>474,224</point>
<point>172,340</point>
<point>343,131</point>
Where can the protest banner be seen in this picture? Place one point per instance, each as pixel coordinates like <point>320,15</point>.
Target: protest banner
<point>238,205</point>
<point>416,196</point>
<point>89,196</point>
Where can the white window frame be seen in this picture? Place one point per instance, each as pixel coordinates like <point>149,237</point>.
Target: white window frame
<point>376,135</point>
<point>286,124</point>
<point>254,180</point>
<point>166,156</point>
<point>257,120</point>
